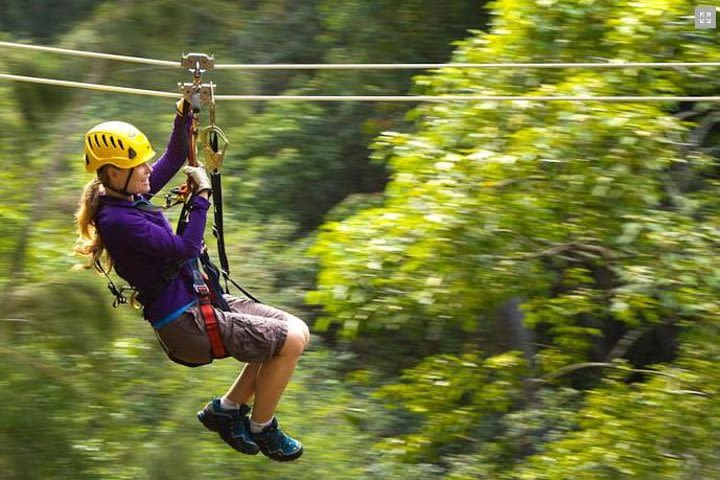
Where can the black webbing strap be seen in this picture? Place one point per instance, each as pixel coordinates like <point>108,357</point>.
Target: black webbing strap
<point>218,225</point>
<point>212,278</point>
<point>118,293</point>
<point>219,233</point>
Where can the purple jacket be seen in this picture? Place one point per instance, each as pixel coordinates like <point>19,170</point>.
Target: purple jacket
<point>141,242</point>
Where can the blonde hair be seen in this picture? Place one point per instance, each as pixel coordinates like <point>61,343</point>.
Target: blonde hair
<point>89,242</point>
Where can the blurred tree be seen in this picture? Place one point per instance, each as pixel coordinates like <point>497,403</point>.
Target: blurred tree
<point>85,397</point>
<point>285,174</point>
<point>42,20</point>
<point>50,371</point>
<point>601,217</point>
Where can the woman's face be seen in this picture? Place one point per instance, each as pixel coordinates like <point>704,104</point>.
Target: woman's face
<point>139,182</point>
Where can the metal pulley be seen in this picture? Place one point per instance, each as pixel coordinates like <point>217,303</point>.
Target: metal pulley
<point>197,63</point>
<point>197,95</point>
<point>196,92</point>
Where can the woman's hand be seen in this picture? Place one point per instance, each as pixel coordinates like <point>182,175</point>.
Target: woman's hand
<point>200,180</point>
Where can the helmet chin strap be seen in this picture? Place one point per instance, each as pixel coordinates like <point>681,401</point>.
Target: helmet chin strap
<point>127,182</point>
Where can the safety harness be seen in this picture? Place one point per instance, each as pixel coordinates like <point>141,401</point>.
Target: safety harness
<point>205,274</point>
<point>208,314</point>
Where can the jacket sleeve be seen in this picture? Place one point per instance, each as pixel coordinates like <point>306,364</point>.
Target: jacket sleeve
<point>151,239</point>
<point>174,156</point>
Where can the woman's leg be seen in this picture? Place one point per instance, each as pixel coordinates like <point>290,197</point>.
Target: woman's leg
<point>267,380</point>
<point>243,389</point>
<point>275,372</point>
<point>252,336</point>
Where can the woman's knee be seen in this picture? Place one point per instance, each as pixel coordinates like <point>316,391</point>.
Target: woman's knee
<point>306,332</point>
<point>301,327</point>
<point>296,339</point>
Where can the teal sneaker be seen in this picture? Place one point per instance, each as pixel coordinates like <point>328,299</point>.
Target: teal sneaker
<point>232,425</point>
<point>275,445</point>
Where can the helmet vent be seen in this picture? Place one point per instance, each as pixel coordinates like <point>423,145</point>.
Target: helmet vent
<point>131,153</point>
<point>87,160</point>
<point>121,144</point>
<point>97,142</point>
<point>112,140</point>
<point>105,141</point>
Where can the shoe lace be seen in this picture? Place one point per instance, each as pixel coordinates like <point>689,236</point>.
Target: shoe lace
<point>237,422</point>
<point>279,439</point>
<point>238,413</point>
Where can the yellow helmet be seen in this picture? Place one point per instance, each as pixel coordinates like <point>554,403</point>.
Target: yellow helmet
<point>116,143</point>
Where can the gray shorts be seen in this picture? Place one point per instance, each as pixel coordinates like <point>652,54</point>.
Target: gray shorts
<point>252,332</point>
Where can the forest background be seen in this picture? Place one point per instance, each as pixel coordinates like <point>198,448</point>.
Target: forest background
<point>503,290</point>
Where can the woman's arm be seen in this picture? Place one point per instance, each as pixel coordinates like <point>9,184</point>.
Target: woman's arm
<point>142,235</point>
<point>174,156</point>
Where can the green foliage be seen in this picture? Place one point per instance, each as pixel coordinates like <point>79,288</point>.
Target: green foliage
<point>154,414</point>
<point>601,217</point>
<point>64,315</point>
<point>662,428</point>
<point>49,342</point>
<point>512,189</point>
<point>96,405</point>
<point>325,145</point>
<point>84,394</point>
<point>453,394</point>
<point>42,20</point>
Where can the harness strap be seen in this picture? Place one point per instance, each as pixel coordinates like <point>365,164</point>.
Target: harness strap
<point>211,275</point>
<point>211,328</point>
<point>218,226</point>
<point>118,293</point>
<point>208,313</point>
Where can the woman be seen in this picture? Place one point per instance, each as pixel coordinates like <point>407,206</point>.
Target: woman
<point>115,218</point>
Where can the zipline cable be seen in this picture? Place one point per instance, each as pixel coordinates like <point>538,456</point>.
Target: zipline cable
<point>81,53</point>
<point>367,98</point>
<point>360,66</point>
<point>424,66</point>
<point>87,86</point>
<point>474,98</point>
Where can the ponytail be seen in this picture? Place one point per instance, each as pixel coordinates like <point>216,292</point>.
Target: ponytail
<point>89,242</point>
